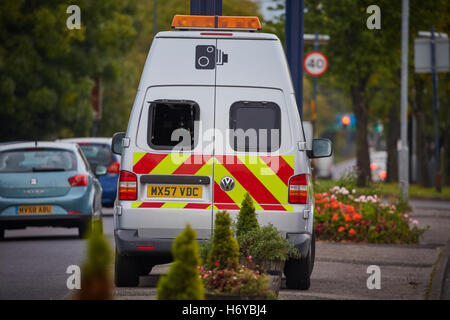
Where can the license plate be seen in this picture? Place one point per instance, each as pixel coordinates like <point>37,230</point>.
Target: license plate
<point>168,191</point>
<point>35,209</point>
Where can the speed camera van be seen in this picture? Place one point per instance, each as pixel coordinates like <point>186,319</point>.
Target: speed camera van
<point>214,117</point>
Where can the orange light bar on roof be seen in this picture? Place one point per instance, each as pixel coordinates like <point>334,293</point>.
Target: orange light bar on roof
<point>215,22</point>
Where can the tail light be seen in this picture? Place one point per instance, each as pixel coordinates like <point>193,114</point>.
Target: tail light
<point>114,168</point>
<point>127,186</point>
<point>298,189</point>
<point>80,180</point>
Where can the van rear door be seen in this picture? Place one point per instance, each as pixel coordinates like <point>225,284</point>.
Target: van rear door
<point>256,153</point>
<point>174,168</point>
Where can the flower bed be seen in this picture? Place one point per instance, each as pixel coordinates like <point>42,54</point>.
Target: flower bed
<point>341,215</point>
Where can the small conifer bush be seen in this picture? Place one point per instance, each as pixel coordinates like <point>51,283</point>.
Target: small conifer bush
<point>247,219</point>
<point>96,282</point>
<point>183,281</point>
<point>225,249</point>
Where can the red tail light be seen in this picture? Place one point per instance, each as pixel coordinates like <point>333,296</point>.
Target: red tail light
<point>114,168</point>
<point>127,186</point>
<point>80,180</point>
<point>298,189</point>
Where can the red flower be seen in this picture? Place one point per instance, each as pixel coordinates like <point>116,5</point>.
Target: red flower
<point>347,217</point>
<point>216,263</point>
<point>335,217</point>
<point>341,229</point>
<point>351,232</point>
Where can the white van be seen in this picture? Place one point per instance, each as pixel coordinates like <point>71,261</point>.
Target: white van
<point>214,117</point>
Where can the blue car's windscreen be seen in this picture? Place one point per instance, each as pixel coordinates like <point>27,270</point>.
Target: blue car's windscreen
<point>36,160</point>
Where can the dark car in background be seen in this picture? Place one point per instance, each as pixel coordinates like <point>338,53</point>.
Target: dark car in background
<point>47,184</point>
<point>98,152</point>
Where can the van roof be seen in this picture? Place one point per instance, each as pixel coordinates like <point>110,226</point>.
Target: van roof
<point>214,33</point>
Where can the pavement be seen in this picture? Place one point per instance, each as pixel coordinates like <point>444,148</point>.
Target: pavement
<point>410,272</point>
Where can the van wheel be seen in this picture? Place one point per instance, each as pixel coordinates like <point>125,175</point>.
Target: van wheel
<point>2,234</point>
<point>298,271</point>
<point>127,271</point>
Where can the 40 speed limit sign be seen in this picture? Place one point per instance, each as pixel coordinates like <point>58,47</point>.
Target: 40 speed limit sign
<point>315,63</point>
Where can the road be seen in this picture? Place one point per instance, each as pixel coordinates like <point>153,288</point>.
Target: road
<point>33,261</point>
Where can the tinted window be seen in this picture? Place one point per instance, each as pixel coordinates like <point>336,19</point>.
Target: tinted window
<point>97,154</point>
<point>256,126</point>
<point>35,160</point>
<point>171,123</point>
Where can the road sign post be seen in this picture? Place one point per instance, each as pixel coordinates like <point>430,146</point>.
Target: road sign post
<point>431,56</point>
<point>315,64</point>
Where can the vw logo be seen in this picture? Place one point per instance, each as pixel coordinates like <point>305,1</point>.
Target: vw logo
<point>33,181</point>
<point>227,183</point>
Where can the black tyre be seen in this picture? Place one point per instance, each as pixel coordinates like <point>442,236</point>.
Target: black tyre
<point>2,234</point>
<point>83,230</point>
<point>298,271</point>
<point>127,271</point>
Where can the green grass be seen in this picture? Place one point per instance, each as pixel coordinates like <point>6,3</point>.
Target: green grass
<point>391,190</point>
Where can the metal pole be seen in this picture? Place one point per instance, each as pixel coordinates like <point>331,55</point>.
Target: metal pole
<point>403,163</point>
<point>294,47</point>
<point>437,172</point>
<point>313,100</point>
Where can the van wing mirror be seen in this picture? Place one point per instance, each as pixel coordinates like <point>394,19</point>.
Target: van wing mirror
<point>117,139</point>
<point>321,148</point>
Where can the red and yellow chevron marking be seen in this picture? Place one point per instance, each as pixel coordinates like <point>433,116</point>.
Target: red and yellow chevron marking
<point>206,206</point>
<point>265,178</point>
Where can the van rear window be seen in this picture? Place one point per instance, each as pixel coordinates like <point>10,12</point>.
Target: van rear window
<point>171,123</point>
<point>255,126</point>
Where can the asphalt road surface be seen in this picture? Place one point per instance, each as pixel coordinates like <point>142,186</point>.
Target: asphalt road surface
<point>33,261</point>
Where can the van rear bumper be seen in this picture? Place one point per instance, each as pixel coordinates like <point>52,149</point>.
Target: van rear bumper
<point>301,242</point>
<point>128,243</point>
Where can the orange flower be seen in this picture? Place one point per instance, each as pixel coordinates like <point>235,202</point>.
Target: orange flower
<point>341,229</point>
<point>351,232</point>
<point>335,217</point>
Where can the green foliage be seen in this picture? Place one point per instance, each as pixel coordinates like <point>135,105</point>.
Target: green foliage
<point>247,219</point>
<point>183,279</point>
<point>205,249</point>
<point>99,254</point>
<point>266,243</point>
<point>225,249</point>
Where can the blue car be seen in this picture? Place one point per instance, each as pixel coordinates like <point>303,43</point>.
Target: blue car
<point>98,152</point>
<point>47,184</point>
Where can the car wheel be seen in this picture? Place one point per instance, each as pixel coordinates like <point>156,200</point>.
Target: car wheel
<point>298,271</point>
<point>83,230</point>
<point>2,234</point>
<point>127,271</point>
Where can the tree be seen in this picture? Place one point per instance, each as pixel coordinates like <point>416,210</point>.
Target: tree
<point>225,249</point>
<point>247,219</point>
<point>183,281</point>
<point>46,69</point>
<point>96,282</point>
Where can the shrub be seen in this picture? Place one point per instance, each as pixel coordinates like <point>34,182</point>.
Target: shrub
<point>183,281</point>
<point>247,219</point>
<point>224,253</point>
<point>266,243</point>
<point>96,282</point>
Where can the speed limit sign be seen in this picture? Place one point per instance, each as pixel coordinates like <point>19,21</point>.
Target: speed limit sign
<point>315,63</point>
